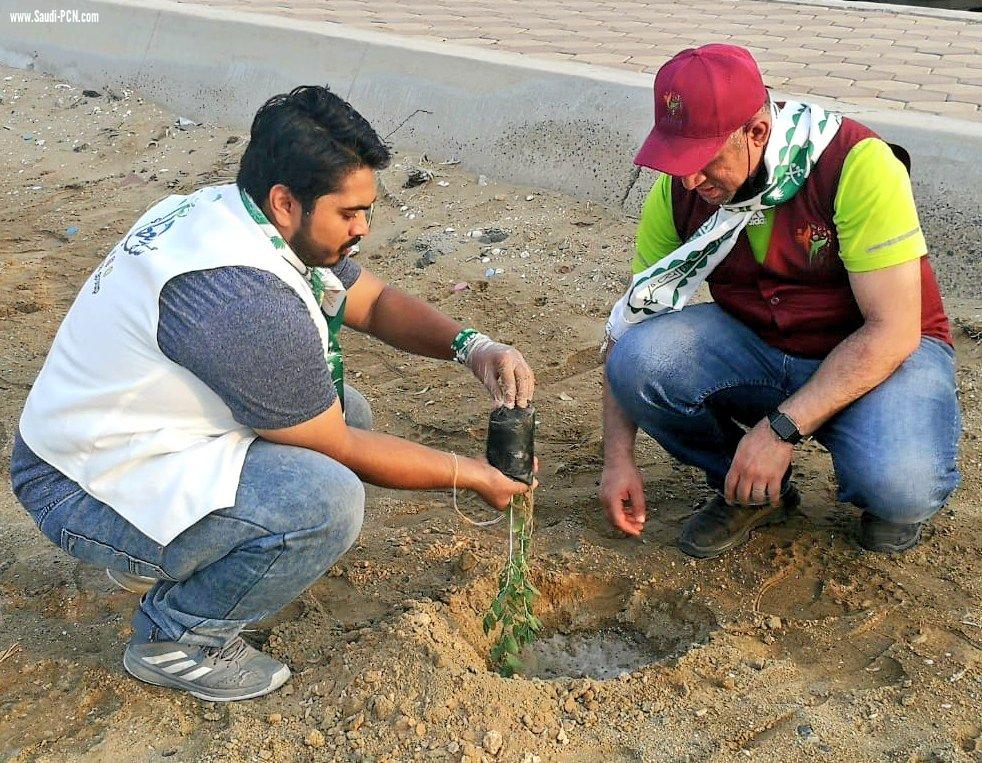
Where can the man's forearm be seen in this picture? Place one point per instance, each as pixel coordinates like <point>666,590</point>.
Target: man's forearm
<point>862,361</point>
<point>392,462</point>
<point>619,431</point>
<point>409,324</point>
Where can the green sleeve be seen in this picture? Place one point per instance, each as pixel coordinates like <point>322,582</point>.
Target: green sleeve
<point>875,216</point>
<point>656,236</point>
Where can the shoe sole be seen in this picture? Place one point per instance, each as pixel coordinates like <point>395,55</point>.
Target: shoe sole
<point>132,583</point>
<point>890,548</point>
<point>136,669</point>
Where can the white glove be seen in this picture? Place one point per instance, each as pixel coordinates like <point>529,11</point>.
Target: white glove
<point>502,370</point>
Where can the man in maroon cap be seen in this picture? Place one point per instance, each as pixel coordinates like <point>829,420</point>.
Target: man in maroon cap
<point>827,321</point>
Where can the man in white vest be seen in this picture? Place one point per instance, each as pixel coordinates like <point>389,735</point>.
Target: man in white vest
<point>191,424</point>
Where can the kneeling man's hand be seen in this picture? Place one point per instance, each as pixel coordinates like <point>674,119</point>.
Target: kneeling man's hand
<point>758,467</point>
<point>504,372</point>
<point>622,494</point>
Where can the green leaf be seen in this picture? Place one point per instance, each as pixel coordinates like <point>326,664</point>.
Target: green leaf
<point>512,663</point>
<point>509,643</point>
<point>498,605</point>
<point>489,622</point>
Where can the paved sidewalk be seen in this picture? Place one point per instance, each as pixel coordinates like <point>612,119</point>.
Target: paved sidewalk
<point>876,58</point>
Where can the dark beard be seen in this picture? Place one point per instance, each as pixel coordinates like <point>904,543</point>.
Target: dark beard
<point>307,252</point>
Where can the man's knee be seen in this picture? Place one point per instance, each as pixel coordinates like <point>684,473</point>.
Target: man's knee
<point>648,367</point>
<point>904,491</point>
<point>287,489</point>
<point>337,501</point>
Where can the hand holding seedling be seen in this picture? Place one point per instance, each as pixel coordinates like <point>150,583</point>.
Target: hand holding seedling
<point>498,490</point>
<point>503,371</point>
<point>511,445</point>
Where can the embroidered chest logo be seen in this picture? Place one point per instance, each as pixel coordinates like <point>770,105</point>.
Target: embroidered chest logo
<point>815,240</point>
<point>673,107</point>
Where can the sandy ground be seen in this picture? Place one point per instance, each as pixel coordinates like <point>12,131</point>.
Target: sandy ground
<point>796,647</point>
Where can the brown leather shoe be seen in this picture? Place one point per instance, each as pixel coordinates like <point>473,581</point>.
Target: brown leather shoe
<point>717,527</point>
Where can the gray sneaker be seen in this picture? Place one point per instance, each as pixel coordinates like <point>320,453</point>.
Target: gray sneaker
<point>217,674</point>
<point>129,582</point>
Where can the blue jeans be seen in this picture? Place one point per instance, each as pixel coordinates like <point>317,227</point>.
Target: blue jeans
<point>688,379</point>
<point>296,512</point>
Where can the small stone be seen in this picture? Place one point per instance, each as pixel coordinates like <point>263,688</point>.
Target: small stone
<point>273,718</point>
<point>417,176</point>
<point>492,742</point>
<point>467,561</point>
<point>211,715</point>
<point>807,733</point>
<point>454,747</point>
<point>493,236</point>
<point>569,705</point>
<point>701,712</point>
<point>561,736</point>
<point>315,739</point>
<point>383,707</point>
<point>919,638</point>
<point>773,622</point>
<point>421,729</point>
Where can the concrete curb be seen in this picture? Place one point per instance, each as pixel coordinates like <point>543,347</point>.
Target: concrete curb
<point>566,126</point>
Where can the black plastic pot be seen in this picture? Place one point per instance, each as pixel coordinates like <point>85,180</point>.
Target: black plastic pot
<point>511,442</point>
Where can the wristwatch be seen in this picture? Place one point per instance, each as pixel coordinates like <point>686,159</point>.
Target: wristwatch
<point>784,427</point>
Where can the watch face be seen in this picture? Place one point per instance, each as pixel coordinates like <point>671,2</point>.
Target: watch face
<point>784,427</point>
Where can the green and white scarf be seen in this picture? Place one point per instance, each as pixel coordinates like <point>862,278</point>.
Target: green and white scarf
<point>800,132</point>
<point>327,288</point>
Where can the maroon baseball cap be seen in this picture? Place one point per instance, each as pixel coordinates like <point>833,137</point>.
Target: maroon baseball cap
<point>702,96</point>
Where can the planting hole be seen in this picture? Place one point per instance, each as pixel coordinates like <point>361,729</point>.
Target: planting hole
<point>595,626</point>
<point>602,654</point>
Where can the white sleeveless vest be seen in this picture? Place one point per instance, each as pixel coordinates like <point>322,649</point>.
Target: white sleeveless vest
<point>111,411</point>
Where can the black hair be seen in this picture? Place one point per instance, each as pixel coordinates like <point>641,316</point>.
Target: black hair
<point>309,140</point>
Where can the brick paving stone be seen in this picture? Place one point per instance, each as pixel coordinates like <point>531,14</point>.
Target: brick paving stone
<point>953,108</point>
<point>876,103</point>
<point>822,82</point>
<point>603,59</point>
<point>839,52</point>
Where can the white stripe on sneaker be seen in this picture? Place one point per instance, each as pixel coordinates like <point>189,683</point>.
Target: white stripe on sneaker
<point>177,667</point>
<point>165,657</point>
<point>195,674</point>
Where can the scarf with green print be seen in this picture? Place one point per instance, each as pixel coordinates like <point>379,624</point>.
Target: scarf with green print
<point>328,292</point>
<point>800,132</point>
